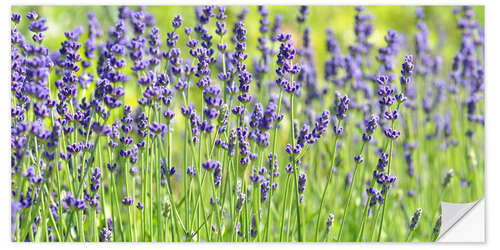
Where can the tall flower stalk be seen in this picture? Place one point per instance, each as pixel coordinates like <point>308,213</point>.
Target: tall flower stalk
<point>392,115</point>
<point>371,125</point>
<point>342,106</point>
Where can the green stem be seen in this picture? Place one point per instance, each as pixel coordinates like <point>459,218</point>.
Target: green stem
<point>363,220</point>
<point>410,233</point>
<point>271,191</point>
<point>346,207</point>
<point>284,207</point>
<point>332,164</point>
<point>292,138</point>
<point>385,195</point>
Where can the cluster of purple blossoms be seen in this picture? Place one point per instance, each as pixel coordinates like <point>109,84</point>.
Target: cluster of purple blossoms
<point>447,178</point>
<point>467,69</point>
<point>387,98</point>
<point>329,222</point>
<point>166,170</point>
<point>302,185</point>
<point>320,127</point>
<point>240,197</point>
<point>437,226</point>
<point>341,108</point>
<point>213,101</point>
<point>90,45</point>
<point>306,136</point>
<point>303,12</point>
<point>415,218</point>
<point>409,162</point>
<point>127,201</point>
<point>386,54</point>
<point>363,29</point>
<point>374,196</point>
<point>358,60</point>
<point>383,179</point>
<point>426,62</point>
<point>261,177</point>
<point>406,72</point>
<point>385,91</point>
<point>370,127</point>
<point>277,23</point>
<point>307,75</point>
<point>286,68</point>
<point>106,232</point>
<point>262,64</point>
<point>32,177</point>
<point>239,57</point>
<point>95,180</point>
<point>221,28</point>
<point>216,167</point>
<point>191,171</point>
<point>258,124</point>
<point>335,63</point>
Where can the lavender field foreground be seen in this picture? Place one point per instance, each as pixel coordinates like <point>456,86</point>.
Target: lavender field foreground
<point>223,125</point>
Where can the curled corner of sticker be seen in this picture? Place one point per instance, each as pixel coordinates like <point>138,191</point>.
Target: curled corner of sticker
<point>462,222</point>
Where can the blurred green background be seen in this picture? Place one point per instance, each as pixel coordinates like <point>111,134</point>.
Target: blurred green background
<point>444,35</point>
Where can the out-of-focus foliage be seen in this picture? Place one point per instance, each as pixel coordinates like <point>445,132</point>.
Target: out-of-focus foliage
<point>440,20</point>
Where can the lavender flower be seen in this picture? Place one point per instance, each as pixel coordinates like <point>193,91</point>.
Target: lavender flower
<point>406,71</point>
<point>437,227</point>
<point>127,201</point>
<point>139,205</point>
<point>415,218</point>
<point>387,53</point>
<point>303,12</point>
<point>342,107</point>
<point>329,222</point>
<point>241,197</point>
<point>447,177</point>
<point>320,126</point>
<point>285,66</point>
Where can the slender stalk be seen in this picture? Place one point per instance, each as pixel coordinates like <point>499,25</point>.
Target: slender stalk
<point>408,238</point>
<point>271,191</point>
<point>385,194</point>
<point>284,207</point>
<point>292,139</point>
<point>184,179</point>
<point>332,164</point>
<point>128,190</point>
<point>346,207</point>
<point>363,220</point>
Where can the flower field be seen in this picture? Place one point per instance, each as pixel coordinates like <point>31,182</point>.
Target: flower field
<point>243,124</point>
